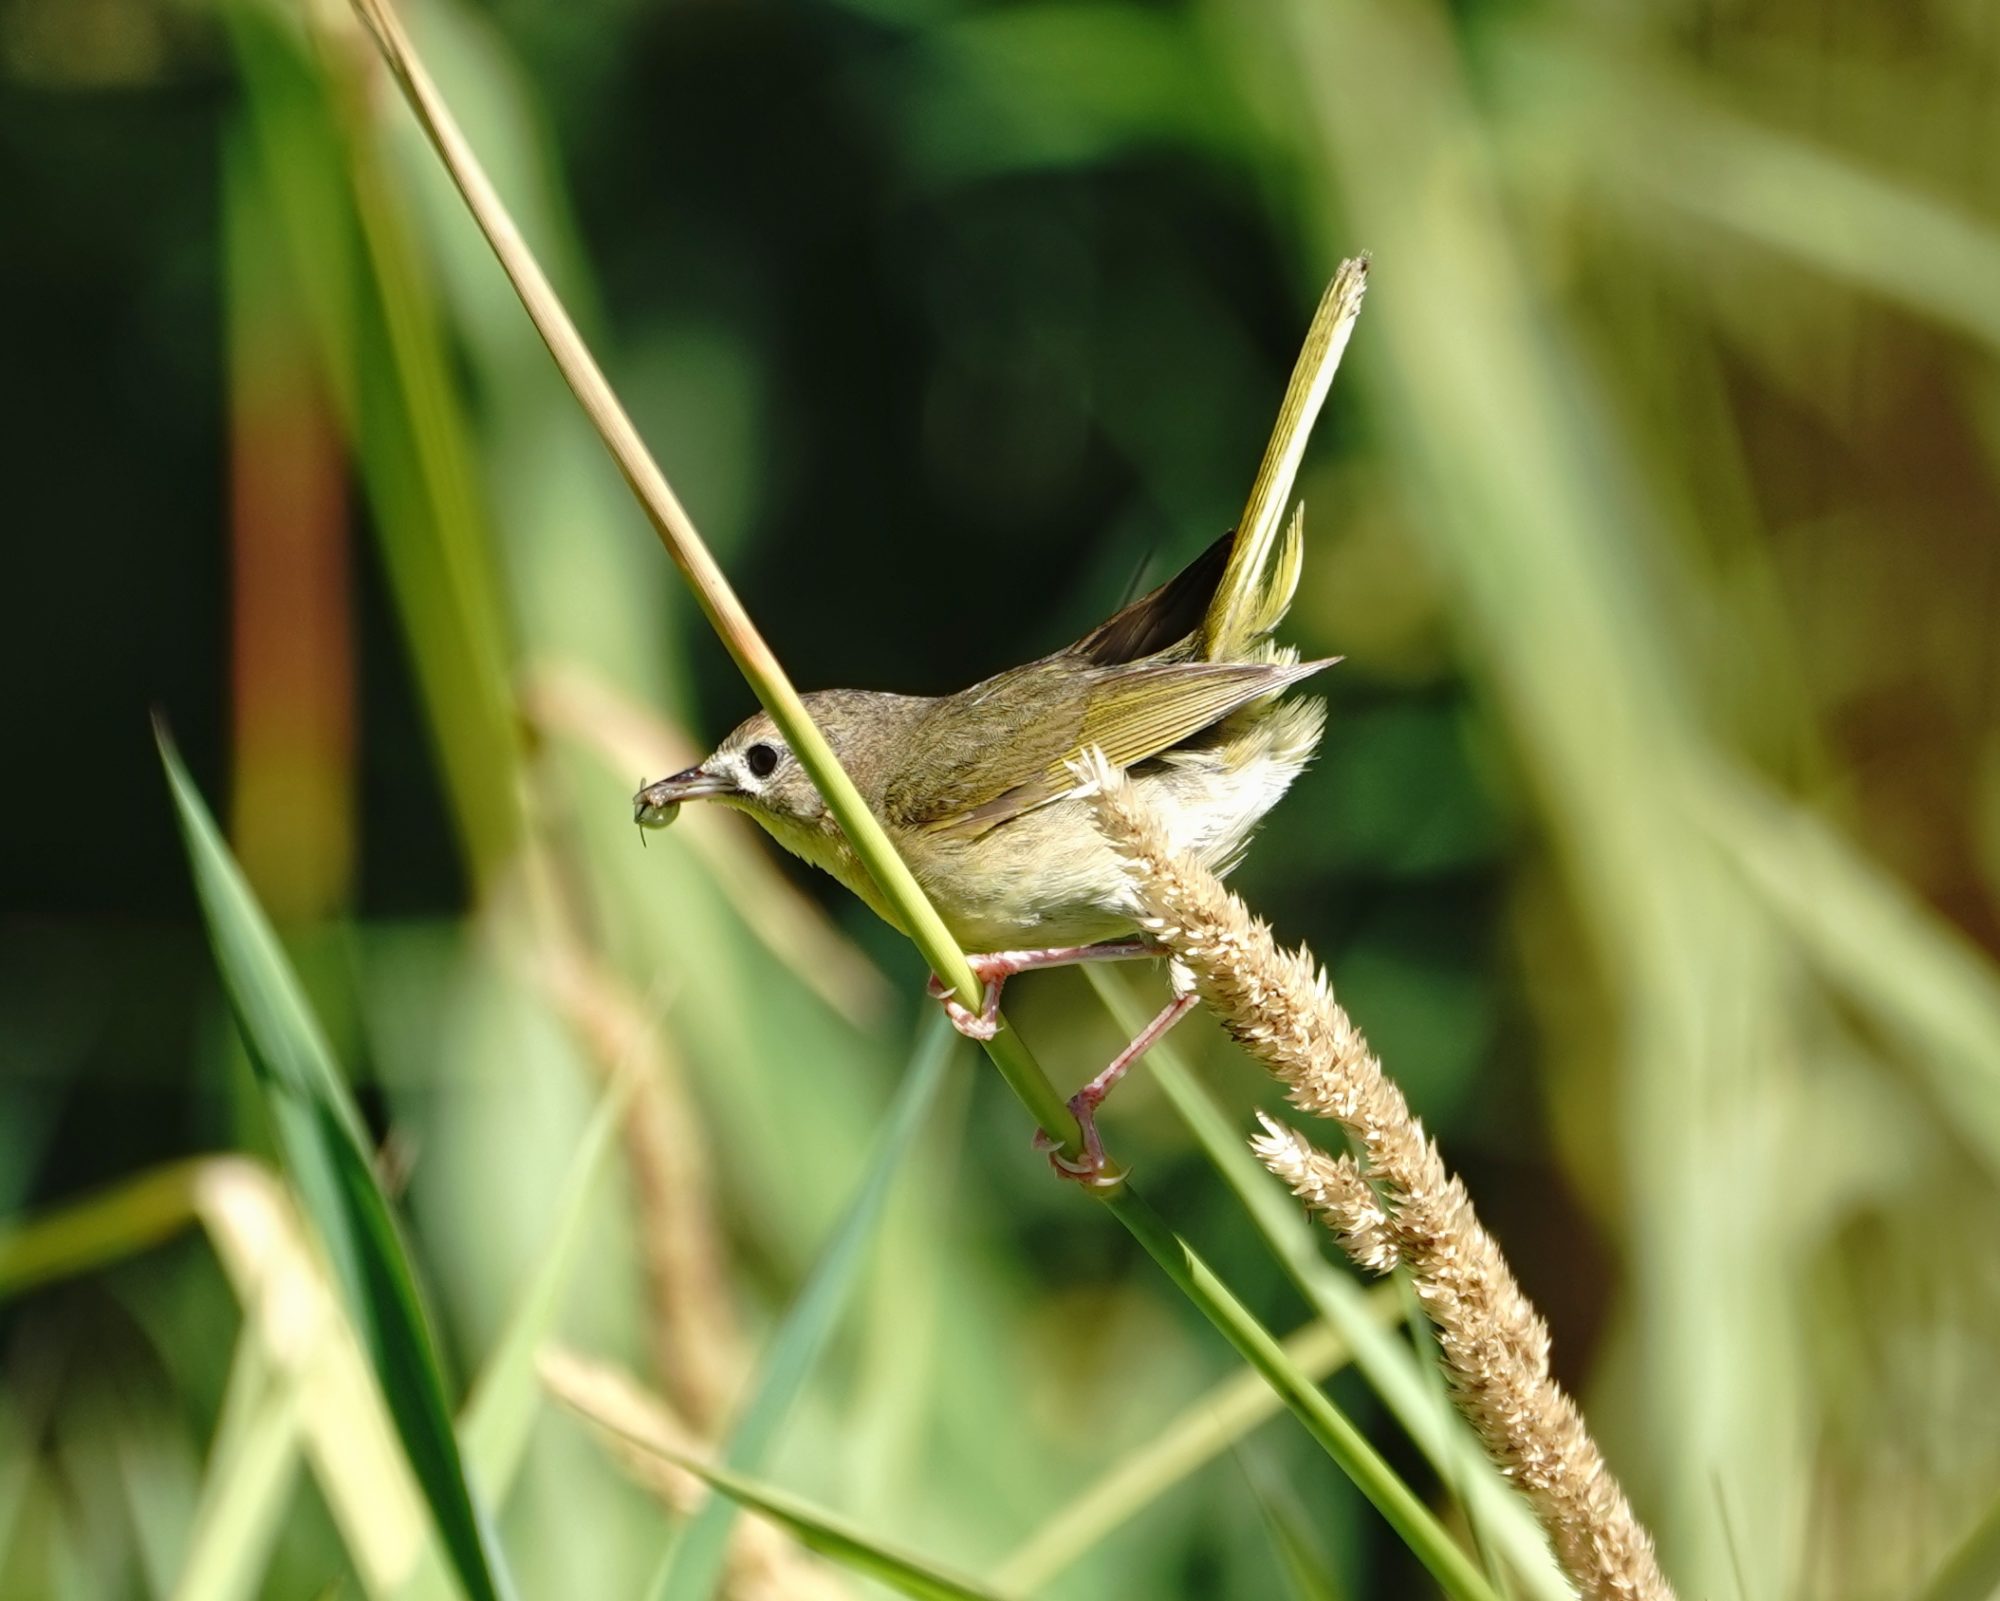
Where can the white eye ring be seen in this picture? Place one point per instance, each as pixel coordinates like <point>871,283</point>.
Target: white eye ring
<point>760,760</point>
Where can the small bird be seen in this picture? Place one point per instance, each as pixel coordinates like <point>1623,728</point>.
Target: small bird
<point>1182,689</point>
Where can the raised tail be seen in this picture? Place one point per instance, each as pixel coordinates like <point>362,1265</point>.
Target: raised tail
<point>1263,570</point>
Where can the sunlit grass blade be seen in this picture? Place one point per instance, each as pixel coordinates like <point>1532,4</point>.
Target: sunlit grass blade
<point>290,1308</point>
<point>1334,1432</point>
<point>1209,1425</point>
<point>252,1468</point>
<point>818,1529</point>
<point>696,1562</point>
<point>493,1429</point>
<point>327,1153</point>
<point>1384,1360</point>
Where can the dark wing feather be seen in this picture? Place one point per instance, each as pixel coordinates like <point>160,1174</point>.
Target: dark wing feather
<point>1164,617</point>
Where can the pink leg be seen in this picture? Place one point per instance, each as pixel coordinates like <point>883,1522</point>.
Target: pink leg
<point>1094,1169</point>
<point>994,968</point>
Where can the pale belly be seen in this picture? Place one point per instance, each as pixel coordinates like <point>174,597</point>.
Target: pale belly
<point>1048,878</point>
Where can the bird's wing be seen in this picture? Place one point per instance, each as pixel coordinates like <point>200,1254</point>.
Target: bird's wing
<point>1129,715</point>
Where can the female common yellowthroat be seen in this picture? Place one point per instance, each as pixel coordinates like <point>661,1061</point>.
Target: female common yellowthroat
<point>1182,689</point>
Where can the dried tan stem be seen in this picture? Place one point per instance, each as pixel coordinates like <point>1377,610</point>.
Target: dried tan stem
<point>698,1349</point>
<point>1396,1204</point>
<point>765,1562</point>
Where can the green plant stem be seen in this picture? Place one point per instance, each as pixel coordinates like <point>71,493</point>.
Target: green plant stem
<point>1337,1436</point>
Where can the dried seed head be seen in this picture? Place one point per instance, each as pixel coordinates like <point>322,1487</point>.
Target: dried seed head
<point>1393,1201</point>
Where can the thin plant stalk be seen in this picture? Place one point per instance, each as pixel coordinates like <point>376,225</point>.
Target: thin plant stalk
<point>712,591</point>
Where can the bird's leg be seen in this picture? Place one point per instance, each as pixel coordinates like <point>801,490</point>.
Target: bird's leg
<point>1094,1170</point>
<point>994,968</point>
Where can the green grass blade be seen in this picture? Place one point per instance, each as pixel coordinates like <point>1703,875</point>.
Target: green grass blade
<point>823,1531</point>
<point>302,159</point>
<point>696,1563</point>
<point>1391,1369</point>
<point>493,1431</point>
<point>1415,1524</point>
<point>1209,1425</point>
<point>1664,151</point>
<point>326,1151</point>
<point>98,1230</point>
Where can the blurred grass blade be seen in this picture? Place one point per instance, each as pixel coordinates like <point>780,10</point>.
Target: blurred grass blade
<point>1299,1555</point>
<point>98,1230</point>
<point>290,1307</point>
<point>1209,1425</point>
<point>251,1470</point>
<point>326,1151</point>
<point>1893,956</point>
<point>1502,1519</point>
<point>819,1530</point>
<point>17,1474</point>
<point>1662,150</point>
<point>305,157</point>
<point>1972,1571</point>
<point>494,1429</point>
<point>696,1563</point>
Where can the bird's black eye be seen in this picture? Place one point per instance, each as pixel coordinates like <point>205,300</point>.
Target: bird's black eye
<point>761,759</point>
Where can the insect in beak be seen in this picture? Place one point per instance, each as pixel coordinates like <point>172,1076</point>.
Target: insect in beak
<point>658,804</point>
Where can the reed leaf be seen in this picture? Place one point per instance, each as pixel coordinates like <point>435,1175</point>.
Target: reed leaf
<point>327,1155</point>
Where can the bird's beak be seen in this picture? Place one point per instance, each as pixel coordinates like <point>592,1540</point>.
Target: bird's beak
<point>656,805</point>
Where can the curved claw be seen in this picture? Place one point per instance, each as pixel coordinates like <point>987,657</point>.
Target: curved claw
<point>973,1025</point>
<point>980,1025</point>
<point>1093,1170</point>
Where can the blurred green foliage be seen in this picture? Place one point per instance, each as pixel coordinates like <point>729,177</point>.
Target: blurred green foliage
<point>1656,841</point>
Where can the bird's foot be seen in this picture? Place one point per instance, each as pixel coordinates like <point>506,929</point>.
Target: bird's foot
<point>980,1025</point>
<point>1094,1170</point>
<point>994,968</point>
